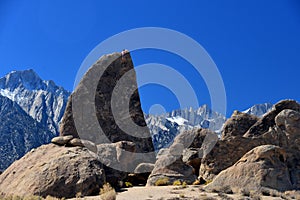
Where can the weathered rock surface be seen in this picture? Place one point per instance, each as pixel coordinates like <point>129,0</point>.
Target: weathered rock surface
<point>238,124</point>
<point>230,149</point>
<point>54,170</point>
<point>279,127</point>
<point>181,161</point>
<point>118,121</point>
<point>117,160</point>
<point>177,170</point>
<point>62,140</point>
<point>268,120</point>
<point>263,166</point>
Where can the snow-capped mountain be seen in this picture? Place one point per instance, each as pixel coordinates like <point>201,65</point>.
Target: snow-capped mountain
<point>19,132</point>
<point>164,128</point>
<point>259,109</point>
<point>42,100</point>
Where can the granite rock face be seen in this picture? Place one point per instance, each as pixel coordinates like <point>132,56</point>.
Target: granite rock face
<point>238,124</point>
<point>279,127</point>
<point>108,93</point>
<point>105,109</point>
<point>175,171</point>
<point>54,170</point>
<point>263,166</point>
<point>182,160</point>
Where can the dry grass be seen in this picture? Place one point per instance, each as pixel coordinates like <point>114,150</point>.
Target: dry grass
<point>107,192</point>
<point>162,182</point>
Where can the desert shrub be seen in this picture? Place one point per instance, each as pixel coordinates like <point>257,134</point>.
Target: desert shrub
<point>32,197</point>
<point>177,182</point>
<point>52,198</point>
<point>207,182</point>
<point>162,181</point>
<point>196,182</point>
<point>128,184</point>
<point>107,192</point>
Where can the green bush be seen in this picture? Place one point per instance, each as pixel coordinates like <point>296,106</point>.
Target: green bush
<point>177,182</point>
<point>128,184</point>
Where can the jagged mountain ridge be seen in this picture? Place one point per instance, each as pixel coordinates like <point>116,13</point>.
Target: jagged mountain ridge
<point>259,109</point>
<point>42,100</point>
<point>164,128</point>
<point>19,132</point>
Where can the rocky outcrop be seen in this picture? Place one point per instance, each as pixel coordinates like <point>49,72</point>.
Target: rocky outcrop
<point>105,109</point>
<point>54,170</point>
<point>116,157</point>
<point>263,166</point>
<point>182,160</point>
<point>268,120</point>
<point>238,124</point>
<point>171,168</point>
<point>230,149</point>
<point>111,75</point>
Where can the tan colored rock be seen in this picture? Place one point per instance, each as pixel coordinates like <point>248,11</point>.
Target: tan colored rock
<point>268,120</point>
<point>62,140</point>
<point>76,142</point>
<point>238,124</point>
<point>263,166</point>
<point>289,121</point>
<point>54,170</point>
<point>172,168</point>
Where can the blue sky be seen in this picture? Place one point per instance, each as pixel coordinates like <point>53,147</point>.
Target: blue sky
<point>255,44</point>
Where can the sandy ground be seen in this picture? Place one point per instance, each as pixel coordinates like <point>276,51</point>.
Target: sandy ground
<point>176,193</point>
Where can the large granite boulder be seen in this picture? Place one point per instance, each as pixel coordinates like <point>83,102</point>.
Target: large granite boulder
<point>265,131</point>
<point>105,109</point>
<point>268,120</point>
<point>181,161</point>
<point>54,170</point>
<point>105,106</point>
<point>238,124</point>
<point>175,171</point>
<point>289,122</point>
<point>114,155</point>
<point>263,166</point>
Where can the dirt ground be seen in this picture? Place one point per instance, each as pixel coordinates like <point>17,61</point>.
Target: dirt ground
<point>178,193</point>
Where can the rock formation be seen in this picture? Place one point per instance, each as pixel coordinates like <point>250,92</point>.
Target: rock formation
<point>230,149</point>
<point>263,166</point>
<point>110,99</point>
<point>238,124</point>
<point>105,109</point>
<point>182,160</point>
<point>279,127</point>
<point>54,170</point>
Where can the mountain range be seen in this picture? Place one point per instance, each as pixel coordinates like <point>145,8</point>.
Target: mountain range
<point>31,110</point>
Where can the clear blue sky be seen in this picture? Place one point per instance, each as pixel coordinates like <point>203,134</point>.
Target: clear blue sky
<point>254,43</point>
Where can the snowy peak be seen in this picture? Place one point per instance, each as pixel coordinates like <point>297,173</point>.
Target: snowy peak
<point>259,109</point>
<point>27,79</point>
<point>43,100</point>
<point>164,128</point>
